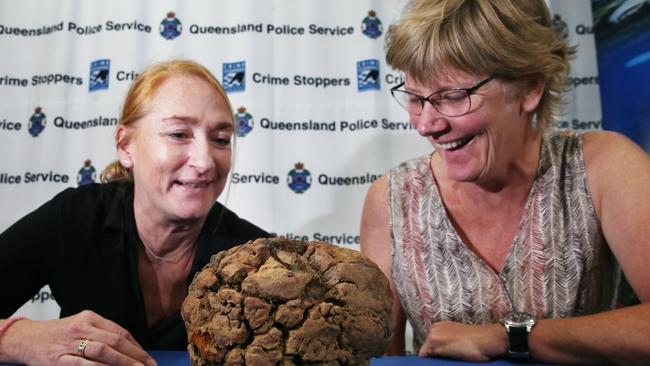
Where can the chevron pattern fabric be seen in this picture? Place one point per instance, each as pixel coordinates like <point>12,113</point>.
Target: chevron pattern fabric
<point>558,264</point>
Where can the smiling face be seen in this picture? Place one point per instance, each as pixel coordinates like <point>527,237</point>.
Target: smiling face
<point>481,144</point>
<point>180,151</point>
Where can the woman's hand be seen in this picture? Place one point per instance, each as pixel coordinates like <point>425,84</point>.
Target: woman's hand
<point>465,342</point>
<point>57,342</point>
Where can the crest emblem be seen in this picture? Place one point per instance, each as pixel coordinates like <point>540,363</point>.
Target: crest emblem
<point>244,122</point>
<point>170,27</point>
<point>371,25</point>
<point>99,73</point>
<point>37,122</point>
<point>234,76</point>
<point>299,178</point>
<point>368,75</point>
<point>87,174</point>
<point>560,26</point>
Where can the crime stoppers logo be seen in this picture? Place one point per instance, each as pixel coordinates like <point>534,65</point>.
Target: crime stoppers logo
<point>87,174</point>
<point>244,122</point>
<point>371,25</point>
<point>99,73</point>
<point>170,27</point>
<point>234,77</point>
<point>368,75</point>
<point>36,122</point>
<point>299,178</point>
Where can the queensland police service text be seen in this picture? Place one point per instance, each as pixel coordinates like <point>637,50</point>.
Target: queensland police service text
<point>284,29</point>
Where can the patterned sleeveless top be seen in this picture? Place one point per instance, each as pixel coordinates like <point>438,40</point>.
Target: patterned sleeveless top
<point>558,265</point>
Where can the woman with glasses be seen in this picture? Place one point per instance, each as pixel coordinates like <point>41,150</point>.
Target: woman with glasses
<point>507,240</point>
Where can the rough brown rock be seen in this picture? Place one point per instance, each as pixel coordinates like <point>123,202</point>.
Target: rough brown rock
<point>287,302</point>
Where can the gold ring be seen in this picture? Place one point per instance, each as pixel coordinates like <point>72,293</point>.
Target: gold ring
<point>81,350</point>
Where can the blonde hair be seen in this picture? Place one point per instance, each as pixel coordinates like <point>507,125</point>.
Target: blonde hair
<point>139,97</point>
<point>508,39</point>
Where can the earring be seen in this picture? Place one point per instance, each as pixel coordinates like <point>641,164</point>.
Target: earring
<point>125,163</point>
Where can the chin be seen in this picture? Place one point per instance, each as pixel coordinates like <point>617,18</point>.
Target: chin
<point>464,178</point>
<point>191,214</point>
<point>463,174</point>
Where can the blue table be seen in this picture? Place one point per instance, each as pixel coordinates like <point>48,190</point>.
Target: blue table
<point>180,358</point>
<point>171,358</point>
<point>417,361</point>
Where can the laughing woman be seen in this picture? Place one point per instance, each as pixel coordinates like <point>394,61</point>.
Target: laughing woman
<point>508,239</point>
<point>119,256</point>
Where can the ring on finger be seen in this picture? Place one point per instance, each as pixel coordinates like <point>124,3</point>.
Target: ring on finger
<point>81,349</point>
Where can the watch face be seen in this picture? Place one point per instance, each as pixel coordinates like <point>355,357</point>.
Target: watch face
<point>518,319</point>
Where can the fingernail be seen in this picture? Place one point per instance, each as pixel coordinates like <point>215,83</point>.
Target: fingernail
<point>151,362</point>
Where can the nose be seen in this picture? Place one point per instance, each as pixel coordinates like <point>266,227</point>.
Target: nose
<point>430,122</point>
<point>200,155</point>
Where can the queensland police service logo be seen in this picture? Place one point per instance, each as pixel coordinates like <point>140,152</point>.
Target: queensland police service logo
<point>99,73</point>
<point>368,75</point>
<point>244,122</point>
<point>561,28</point>
<point>371,25</point>
<point>299,178</point>
<point>36,122</point>
<point>234,76</point>
<point>87,174</point>
<point>170,27</point>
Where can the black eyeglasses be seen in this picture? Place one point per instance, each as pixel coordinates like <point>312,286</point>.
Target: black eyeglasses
<point>448,102</point>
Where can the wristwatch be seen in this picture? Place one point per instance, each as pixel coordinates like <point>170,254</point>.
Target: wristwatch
<point>518,326</point>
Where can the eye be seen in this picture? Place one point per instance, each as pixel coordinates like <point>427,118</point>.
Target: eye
<point>413,99</point>
<point>222,140</point>
<point>453,96</point>
<point>178,135</point>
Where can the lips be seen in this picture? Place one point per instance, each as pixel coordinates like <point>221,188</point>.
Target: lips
<point>190,184</point>
<point>456,144</point>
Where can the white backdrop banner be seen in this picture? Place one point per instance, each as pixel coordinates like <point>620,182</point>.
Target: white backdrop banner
<point>315,120</point>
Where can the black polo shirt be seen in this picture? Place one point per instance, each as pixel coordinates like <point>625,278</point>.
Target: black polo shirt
<point>84,244</point>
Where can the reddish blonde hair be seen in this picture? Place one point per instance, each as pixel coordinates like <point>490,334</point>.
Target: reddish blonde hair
<point>139,98</point>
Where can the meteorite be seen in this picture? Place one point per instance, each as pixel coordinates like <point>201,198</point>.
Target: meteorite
<point>287,302</point>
